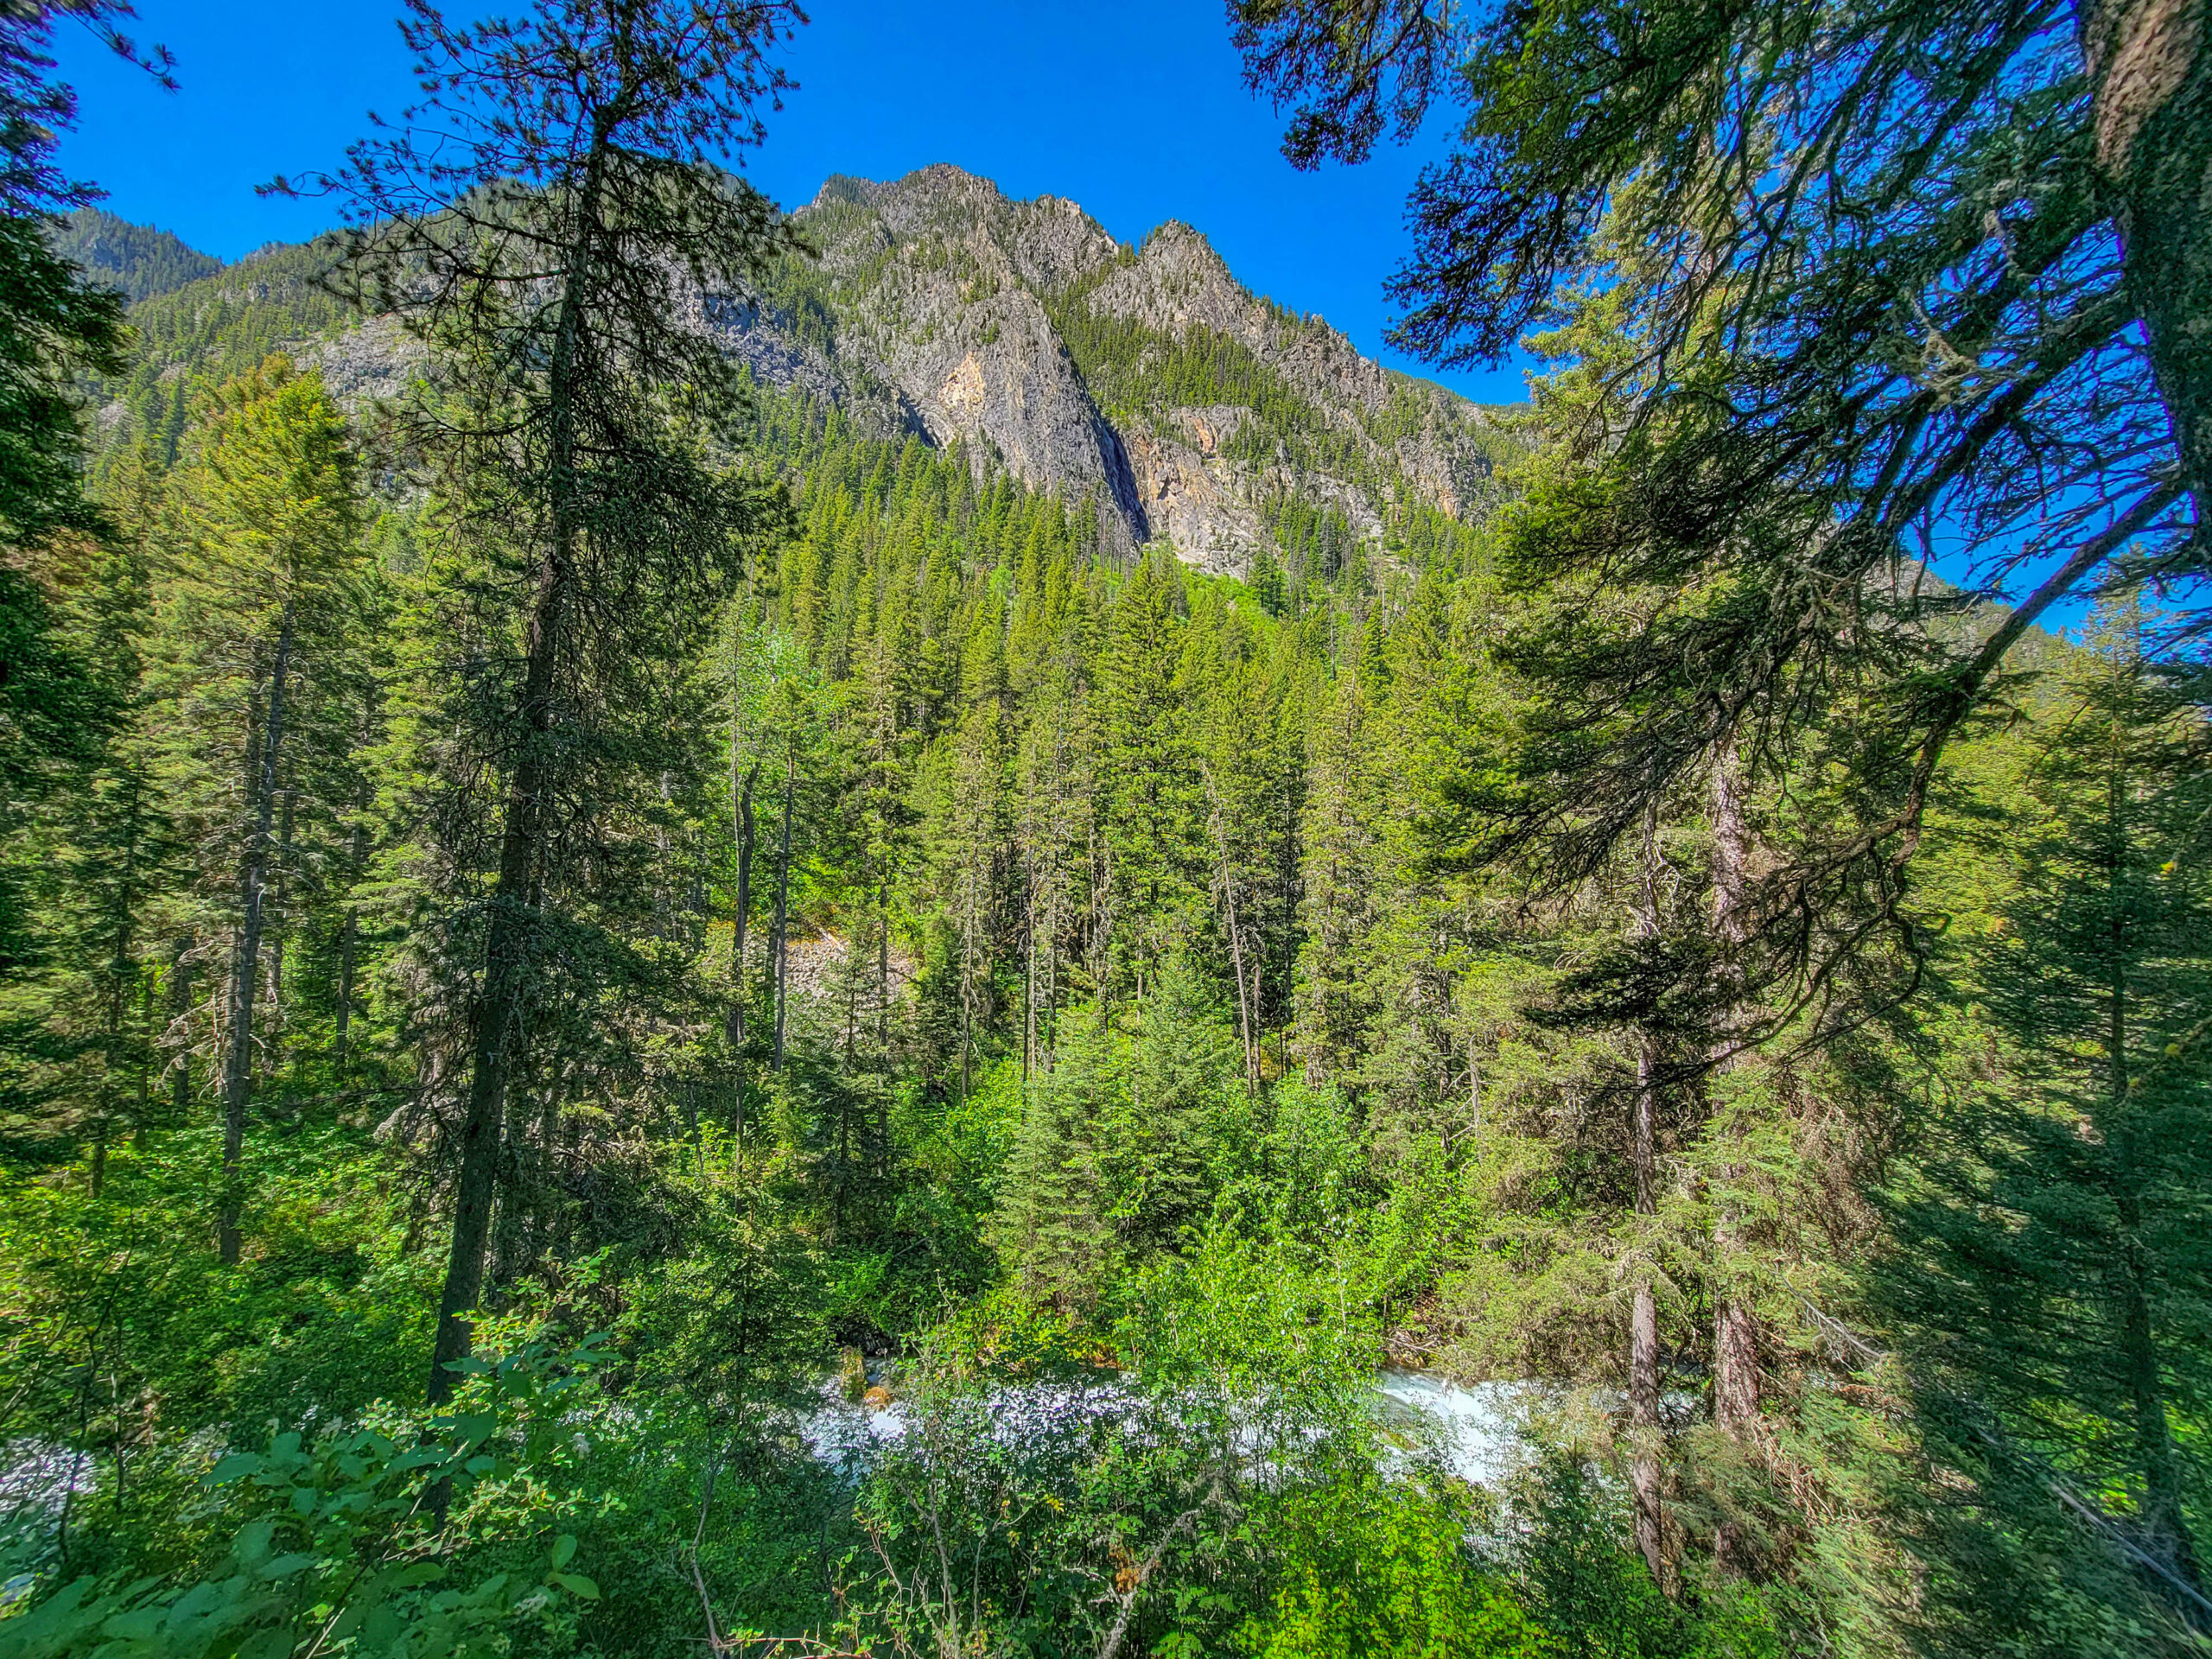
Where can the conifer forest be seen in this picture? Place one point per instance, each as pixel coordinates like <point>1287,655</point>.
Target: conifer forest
<point>891,931</point>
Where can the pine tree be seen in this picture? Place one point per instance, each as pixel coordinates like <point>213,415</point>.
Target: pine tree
<point>2054,1266</point>
<point>56,326</point>
<point>1150,818</point>
<point>255,621</point>
<point>531,241</point>
<point>1333,1004</point>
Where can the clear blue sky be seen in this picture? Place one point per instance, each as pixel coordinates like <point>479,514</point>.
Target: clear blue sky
<point>1133,109</point>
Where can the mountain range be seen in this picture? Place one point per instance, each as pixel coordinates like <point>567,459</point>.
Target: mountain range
<point>1145,378</point>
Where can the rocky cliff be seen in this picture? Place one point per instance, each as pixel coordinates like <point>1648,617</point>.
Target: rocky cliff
<point>1144,380</point>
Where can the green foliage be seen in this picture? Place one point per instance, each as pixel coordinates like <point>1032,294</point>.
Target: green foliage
<point>793,899</point>
<point>1386,1571</point>
<point>336,1545</point>
<point>138,260</point>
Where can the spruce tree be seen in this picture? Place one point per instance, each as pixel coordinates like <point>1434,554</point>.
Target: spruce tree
<point>535,220</point>
<point>2053,1268</point>
<point>56,326</point>
<point>258,613</point>
<point>1151,807</point>
<point>1785,204</point>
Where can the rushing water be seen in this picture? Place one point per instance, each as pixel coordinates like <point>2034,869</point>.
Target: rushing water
<point>1478,1430</point>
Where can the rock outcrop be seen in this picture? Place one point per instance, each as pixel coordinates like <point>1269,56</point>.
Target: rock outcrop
<point>940,307</point>
<point>1144,381</point>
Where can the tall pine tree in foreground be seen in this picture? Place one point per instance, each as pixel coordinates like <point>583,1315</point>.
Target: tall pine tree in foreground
<point>542,222</point>
<point>56,326</point>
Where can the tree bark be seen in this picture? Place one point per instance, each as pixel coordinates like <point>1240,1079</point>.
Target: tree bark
<point>782,940</point>
<point>742,914</point>
<point>741,810</point>
<point>180,978</point>
<point>245,953</point>
<point>1735,1323</point>
<point>1645,1474</point>
<point>1245,1033</point>
<point>511,924</point>
<point>283,931</point>
<point>2165,1522</point>
<point>348,939</point>
<point>2149,64</point>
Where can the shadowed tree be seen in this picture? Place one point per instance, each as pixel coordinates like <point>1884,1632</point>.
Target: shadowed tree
<point>548,221</point>
<point>1886,276</point>
<point>56,326</point>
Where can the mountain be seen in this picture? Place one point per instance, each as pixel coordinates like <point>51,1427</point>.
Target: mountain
<point>1146,378</point>
<point>142,261</point>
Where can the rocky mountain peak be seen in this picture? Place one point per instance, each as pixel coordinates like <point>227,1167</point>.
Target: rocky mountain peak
<point>1149,379</point>
<point>1146,380</point>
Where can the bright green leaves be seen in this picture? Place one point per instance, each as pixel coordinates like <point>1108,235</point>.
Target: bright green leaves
<point>352,1541</point>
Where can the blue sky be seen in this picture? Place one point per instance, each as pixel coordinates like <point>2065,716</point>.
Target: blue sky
<point>1133,109</point>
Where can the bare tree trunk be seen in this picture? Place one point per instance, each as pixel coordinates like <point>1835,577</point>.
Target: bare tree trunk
<point>2150,65</point>
<point>245,955</point>
<point>740,915</point>
<point>1735,1323</point>
<point>357,859</point>
<point>1029,975</point>
<point>883,1020</point>
<point>781,942</point>
<point>2164,1521</point>
<point>142,1123</point>
<point>283,925</point>
<point>1243,998</point>
<point>348,943</point>
<point>740,812</point>
<point>1645,1473</point>
<point>180,978</point>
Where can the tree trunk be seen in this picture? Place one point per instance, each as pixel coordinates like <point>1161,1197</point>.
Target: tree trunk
<point>180,976</point>
<point>1244,1030</point>
<point>883,1021</point>
<point>511,925</point>
<point>2165,1523</point>
<point>282,931</point>
<point>741,914</point>
<point>245,953</point>
<point>1735,1323</point>
<point>781,942</point>
<point>1029,973</point>
<point>740,812</point>
<point>2150,65</point>
<point>1645,1474</point>
<point>348,940</point>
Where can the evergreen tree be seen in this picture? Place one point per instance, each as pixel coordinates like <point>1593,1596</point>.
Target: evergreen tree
<point>2054,1272</point>
<point>1774,446</point>
<point>56,326</point>
<point>531,238</point>
<point>260,612</point>
<point>1337,909</point>
<point>1149,816</point>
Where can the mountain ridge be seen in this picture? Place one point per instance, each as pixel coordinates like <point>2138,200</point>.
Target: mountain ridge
<point>1143,378</point>
<point>142,261</point>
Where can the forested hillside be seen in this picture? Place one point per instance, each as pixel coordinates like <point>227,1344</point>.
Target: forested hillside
<point>816,933</point>
<point>137,259</point>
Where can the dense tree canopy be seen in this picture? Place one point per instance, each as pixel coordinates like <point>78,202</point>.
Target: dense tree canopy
<point>643,1008</point>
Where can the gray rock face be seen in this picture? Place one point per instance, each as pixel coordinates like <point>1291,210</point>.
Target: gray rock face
<point>1144,381</point>
<point>938,305</point>
<point>930,289</point>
